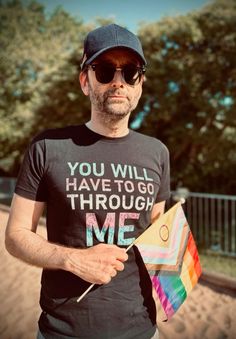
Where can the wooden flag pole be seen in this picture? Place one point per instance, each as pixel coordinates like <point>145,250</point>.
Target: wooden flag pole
<point>84,294</point>
<point>129,247</point>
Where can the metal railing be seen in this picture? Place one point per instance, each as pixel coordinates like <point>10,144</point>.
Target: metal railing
<point>212,219</point>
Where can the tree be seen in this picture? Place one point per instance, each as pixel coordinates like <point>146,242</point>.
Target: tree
<point>39,86</point>
<point>190,95</point>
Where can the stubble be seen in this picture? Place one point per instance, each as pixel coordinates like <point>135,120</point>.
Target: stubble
<point>112,110</point>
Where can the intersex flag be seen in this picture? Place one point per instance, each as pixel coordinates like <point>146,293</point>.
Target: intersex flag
<point>170,255</point>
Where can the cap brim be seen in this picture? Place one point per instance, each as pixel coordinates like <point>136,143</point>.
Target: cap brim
<point>96,55</point>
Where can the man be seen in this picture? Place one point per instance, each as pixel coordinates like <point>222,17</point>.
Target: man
<point>102,185</point>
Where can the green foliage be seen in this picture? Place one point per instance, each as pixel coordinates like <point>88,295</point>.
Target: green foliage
<point>191,94</point>
<point>38,71</point>
<point>103,21</point>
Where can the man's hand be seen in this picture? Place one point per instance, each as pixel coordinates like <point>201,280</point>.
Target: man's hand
<point>97,264</point>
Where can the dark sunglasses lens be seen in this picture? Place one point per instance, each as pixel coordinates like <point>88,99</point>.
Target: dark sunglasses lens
<point>131,74</point>
<point>104,73</point>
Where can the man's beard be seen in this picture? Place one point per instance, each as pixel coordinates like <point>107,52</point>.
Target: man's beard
<point>112,110</point>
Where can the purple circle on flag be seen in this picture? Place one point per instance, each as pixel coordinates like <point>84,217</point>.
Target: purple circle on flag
<point>164,233</point>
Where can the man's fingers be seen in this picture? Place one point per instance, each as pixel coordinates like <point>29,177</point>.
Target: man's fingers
<point>112,250</point>
<point>123,256</point>
<point>120,253</point>
<point>97,264</point>
<point>113,273</point>
<point>119,266</point>
<point>106,277</point>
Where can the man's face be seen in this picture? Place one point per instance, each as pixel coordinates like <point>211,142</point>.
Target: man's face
<point>116,99</point>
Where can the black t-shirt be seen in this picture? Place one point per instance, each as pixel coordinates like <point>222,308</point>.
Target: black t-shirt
<point>97,189</point>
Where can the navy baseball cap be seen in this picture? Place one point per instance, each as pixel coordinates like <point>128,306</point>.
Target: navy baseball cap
<point>109,37</point>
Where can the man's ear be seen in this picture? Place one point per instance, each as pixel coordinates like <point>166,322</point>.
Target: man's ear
<point>83,79</point>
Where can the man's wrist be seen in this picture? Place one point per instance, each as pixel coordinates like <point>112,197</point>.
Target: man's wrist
<point>68,259</point>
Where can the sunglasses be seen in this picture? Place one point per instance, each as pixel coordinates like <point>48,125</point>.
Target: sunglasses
<point>131,73</point>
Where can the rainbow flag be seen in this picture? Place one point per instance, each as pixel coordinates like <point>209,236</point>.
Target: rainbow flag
<point>170,255</point>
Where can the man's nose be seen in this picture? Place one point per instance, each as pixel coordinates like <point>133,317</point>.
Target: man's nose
<point>118,79</point>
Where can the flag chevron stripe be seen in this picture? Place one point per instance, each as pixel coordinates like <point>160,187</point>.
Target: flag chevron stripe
<point>162,296</point>
<point>152,249</point>
<point>193,250</point>
<point>186,279</point>
<point>171,285</point>
<point>156,268</point>
<point>190,269</point>
<point>163,272</point>
<point>153,256</point>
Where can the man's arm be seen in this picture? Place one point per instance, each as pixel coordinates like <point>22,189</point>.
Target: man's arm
<point>157,210</point>
<point>96,264</point>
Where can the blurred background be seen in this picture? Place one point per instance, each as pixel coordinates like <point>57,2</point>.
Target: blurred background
<point>188,102</point>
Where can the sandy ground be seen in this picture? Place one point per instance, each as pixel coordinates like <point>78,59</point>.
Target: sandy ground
<point>206,314</point>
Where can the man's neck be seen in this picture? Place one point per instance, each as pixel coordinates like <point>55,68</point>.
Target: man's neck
<point>116,130</point>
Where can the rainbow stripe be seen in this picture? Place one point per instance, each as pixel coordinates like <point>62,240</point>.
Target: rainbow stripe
<point>172,261</point>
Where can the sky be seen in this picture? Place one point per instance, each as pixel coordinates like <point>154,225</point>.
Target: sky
<point>125,12</point>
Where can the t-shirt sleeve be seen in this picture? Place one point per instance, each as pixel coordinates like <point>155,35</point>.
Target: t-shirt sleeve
<point>31,179</point>
<point>164,190</point>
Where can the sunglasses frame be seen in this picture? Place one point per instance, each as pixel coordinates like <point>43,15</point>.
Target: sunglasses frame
<point>140,70</point>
